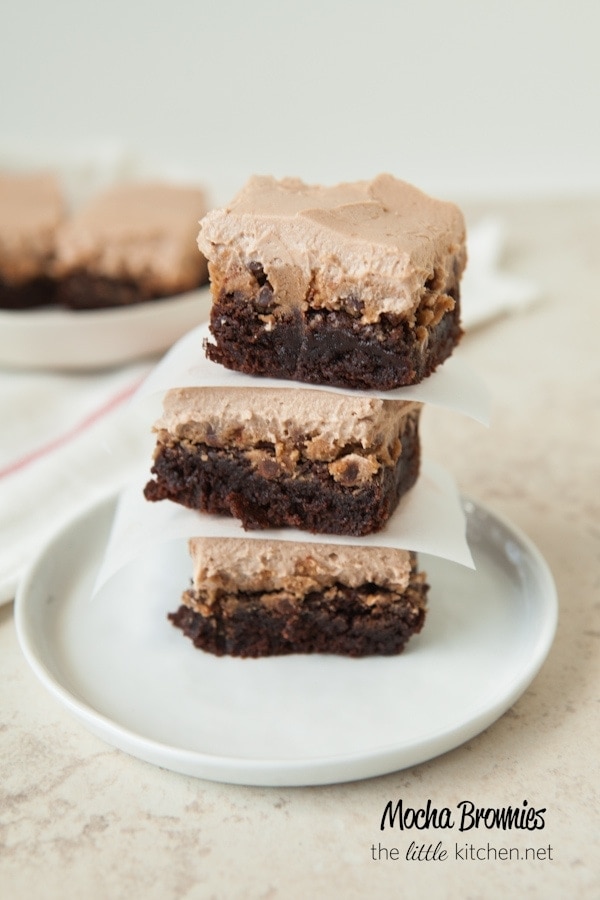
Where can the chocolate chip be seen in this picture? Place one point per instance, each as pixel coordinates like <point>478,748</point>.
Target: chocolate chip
<point>354,306</point>
<point>349,474</point>
<point>269,469</point>
<point>258,272</point>
<point>211,436</point>
<point>265,297</point>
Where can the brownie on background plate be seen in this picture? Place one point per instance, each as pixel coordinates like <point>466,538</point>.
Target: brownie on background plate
<point>32,207</point>
<point>131,243</point>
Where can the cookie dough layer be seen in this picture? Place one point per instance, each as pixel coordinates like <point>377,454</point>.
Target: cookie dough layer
<point>131,243</point>
<point>260,598</point>
<point>355,285</point>
<point>276,458</point>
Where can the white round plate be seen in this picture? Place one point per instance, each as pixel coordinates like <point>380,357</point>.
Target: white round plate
<point>60,339</point>
<point>135,681</point>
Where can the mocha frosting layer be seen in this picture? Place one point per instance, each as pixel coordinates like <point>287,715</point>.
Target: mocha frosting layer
<point>31,209</point>
<point>145,232</point>
<point>242,565</point>
<point>370,247</point>
<point>318,425</point>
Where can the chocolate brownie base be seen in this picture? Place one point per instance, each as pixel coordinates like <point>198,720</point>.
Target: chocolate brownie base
<point>327,347</point>
<point>341,620</point>
<point>221,481</point>
<point>27,295</point>
<point>85,291</point>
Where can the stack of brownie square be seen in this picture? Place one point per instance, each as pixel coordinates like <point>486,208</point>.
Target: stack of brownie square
<point>353,287</point>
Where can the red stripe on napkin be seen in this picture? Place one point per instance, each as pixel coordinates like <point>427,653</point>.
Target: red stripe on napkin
<point>63,439</point>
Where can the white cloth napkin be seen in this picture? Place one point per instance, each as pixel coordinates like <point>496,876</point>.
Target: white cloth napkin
<point>487,291</point>
<point>68,441</point>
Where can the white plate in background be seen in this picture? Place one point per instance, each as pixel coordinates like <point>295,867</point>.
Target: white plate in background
<point>122,670</point>
<point>66,340</point>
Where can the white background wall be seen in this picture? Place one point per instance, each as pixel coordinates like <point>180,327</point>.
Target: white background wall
<point>459,97</point>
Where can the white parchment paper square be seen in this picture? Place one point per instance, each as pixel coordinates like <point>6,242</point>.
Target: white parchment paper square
<point>429,519</point>
<point>454,385</point>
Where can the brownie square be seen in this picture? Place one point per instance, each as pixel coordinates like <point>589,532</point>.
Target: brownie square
<point>254,598</point>
<point>280,457</point>
<point>356,285</point>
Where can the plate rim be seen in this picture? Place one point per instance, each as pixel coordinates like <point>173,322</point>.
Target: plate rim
<point>178,314</point>
<point>63,317</point>
<point>291,771</point>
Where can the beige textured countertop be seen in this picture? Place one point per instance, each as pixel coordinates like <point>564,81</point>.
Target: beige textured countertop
<point>80,819</point>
